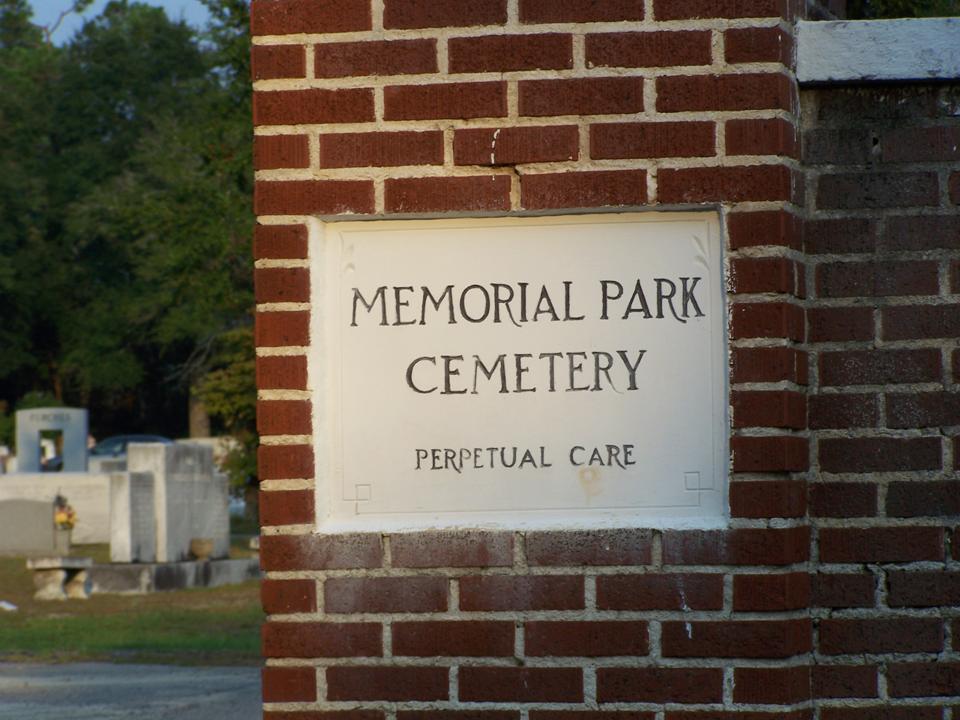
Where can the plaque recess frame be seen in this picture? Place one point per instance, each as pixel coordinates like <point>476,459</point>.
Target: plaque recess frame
<point>366,397</point>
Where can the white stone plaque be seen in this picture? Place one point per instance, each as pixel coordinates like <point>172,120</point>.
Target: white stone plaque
<point>520,372</point>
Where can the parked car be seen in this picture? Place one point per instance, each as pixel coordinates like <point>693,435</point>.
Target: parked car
<point>116,445</point>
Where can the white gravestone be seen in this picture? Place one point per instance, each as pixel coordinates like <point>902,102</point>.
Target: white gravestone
<point>518,372</point>
<point>72,422</point>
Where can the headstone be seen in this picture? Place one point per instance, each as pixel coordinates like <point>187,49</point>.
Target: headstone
<point>133,525</point>
<point>190,497</point>
<point>88,494</point>
<point>72,422</point>
<point>26,526</point>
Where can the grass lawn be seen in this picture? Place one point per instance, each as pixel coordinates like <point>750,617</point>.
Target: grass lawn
<point>216,626</point>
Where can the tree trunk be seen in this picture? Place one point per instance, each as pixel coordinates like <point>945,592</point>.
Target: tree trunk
<point>199,417</point>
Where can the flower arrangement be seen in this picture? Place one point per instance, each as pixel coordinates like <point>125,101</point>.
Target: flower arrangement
<point>64,516</point>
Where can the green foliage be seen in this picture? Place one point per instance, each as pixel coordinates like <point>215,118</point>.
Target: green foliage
<point>229,392</point>
<point>879,9</point>
<point>125,218</point>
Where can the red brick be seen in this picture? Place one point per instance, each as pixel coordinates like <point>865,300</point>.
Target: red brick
<point>286,507</point>
<point>660,685</point>
<point>768,364</point>
<point>921,232</point>
<point>590,715</point>
<point>324,715</point>
<point>881,544</point>
<point>298,107</point>
<point>453,639</point>
<point>752,45</point>
<point>910,322</point>
<point>929,144</point>
<point>649,591</point>
<point>688,9</point>
<point>736,639</point>
<point>937,498</point>
<point>954,188</point>
<point>280,241</point>
<point>731,184</point>
<point>505,53</point>
<point>844,681</point>
<point>771,593</point>
<point>507,592</point>
<point>742,546</point>
<point>844,590</point>
<point>861,190</point>
<point>381,149</point>
<point>749,91</point>
<point>448,100</point>
<point>557,11</point>
<point>515,146</point>
<point>581,96</point>
<point>882,712</point>
<point>289,684</point>
<point>769,454</point>
<point>458,715</point>
<point>385,594</point>
<point>648,49</point>
<point>452,549</point>
<point>765,227</point>
<point>278,329</point>
<point>886,635</point>
<point>373,682</point>
<point>318,639</point>
<point>268,62</point>
<point>843,500</point>
<point>768,499</point>
<point>283,417</point>
<point>282,553</point>
<point>772,136</point>
<point>288,596</point>
<point>880,367</point>
<point>526,684</point>
<point>447,194</point>
<point>767,320</point>
<point>771,686</point>
<point>923,679</point>
<point>281,285</point>
<point>375,57</point>
<point>840,235</point>
<point>956,365</point>
<point>839,324</point>
<point>764,275</point>
<point>877,279</point>
<point>769,408</point>
<point>566,638</point>
<point>285,462</point>
<point>280,151</point>
<point>410,14</point>
<point>847,410</point>
<point>738,715</point>
<point>879,454</point>
<point>600,188</point>
<point>282,372</point>
<point>313,197</point>
<point>923,589</point>
<point>955,276</point>
<point>285,17</point>
<point>927,409</point>
<point>651,140</point>
<point>596,547</point>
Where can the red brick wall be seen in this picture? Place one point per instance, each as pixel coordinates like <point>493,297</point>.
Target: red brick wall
<point>883,251</point>
<point>391,107</point>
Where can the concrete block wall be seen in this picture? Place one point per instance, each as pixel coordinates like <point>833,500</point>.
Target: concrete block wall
<point>392,108</point>
<point>883,253</point>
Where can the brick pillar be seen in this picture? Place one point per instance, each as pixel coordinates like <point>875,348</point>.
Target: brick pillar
<point>396,107</point>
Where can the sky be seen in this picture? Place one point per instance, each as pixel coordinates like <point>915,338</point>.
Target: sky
<point>45,12</point>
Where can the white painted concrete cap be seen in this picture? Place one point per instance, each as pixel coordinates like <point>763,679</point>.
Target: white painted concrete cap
<point>878,50</point>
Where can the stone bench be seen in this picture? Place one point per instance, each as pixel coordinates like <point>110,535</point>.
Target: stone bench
<point>59,578</point>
